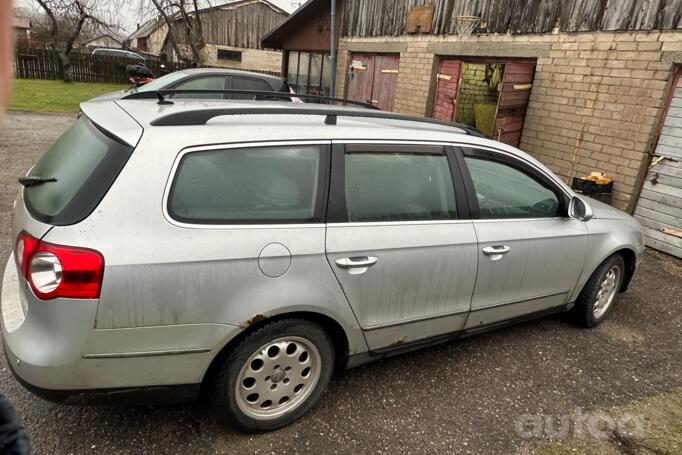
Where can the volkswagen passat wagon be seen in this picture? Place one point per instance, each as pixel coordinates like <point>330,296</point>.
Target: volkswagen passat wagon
<point>244,251</point>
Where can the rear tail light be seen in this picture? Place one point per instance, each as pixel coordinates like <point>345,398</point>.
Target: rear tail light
<point>59,271</point>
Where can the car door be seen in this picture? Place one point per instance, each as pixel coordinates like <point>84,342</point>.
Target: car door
<point>531,252</point>
<point>202,83</point>
<point>399,240</point>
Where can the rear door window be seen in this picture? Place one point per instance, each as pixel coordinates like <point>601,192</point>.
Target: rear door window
<point>85,162</point>
<point>248,83</point>
<point>248,185</point>
<point>398,186</point>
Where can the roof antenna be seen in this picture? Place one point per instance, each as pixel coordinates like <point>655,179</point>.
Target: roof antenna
<point>162,99</point>
<point>330,120</point>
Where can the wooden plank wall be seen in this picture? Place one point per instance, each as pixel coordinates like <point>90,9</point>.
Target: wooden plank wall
<point>39,63</point>
<point>660,203</point>
<point>387,17</point>
<point>241,26</point>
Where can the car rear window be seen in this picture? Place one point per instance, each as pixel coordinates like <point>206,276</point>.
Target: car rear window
<point>85,161</point>
<point>247,185</point>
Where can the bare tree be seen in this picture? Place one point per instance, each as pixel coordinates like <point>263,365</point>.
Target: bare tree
<point>66,20</point>
<point>184,26</point>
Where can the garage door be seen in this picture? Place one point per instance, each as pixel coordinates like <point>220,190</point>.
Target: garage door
<point>659,208</point>
<point>373,79</point>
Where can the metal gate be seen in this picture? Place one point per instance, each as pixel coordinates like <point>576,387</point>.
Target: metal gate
<point>659,208</point>
<point>373,79</point>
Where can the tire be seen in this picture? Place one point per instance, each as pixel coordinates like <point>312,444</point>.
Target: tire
<point>591,307</point>
<point>273,376</point>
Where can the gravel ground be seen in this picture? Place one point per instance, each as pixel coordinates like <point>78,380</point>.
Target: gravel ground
<point>461,397</point>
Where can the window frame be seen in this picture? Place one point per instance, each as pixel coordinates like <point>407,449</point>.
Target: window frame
<point>473,151</point>
<point>229,51</point>
<point>337,211</point>
<point>320,202</point>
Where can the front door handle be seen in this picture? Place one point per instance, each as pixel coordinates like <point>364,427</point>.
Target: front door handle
<point>356,262</point>
<point>496,252</point>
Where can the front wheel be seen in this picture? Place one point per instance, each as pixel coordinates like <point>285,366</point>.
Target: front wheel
<point>274,375</point>
<point>600,292</point>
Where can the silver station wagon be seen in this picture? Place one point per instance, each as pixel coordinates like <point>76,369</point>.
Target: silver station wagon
<point>244,251</point>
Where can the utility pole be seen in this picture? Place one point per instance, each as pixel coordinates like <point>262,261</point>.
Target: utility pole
<point>332,68</point>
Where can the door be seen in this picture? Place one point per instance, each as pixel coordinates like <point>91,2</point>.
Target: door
<point>517,83</point>
<point>530,252</point>
<point>447,89</point>
<point>373,79</point>
<point>659,208</point>
<point>397,243</point>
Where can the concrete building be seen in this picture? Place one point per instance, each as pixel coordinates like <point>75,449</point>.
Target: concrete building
<point>580,86</point>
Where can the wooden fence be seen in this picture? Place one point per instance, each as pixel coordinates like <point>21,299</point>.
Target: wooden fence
<point>37,63</point>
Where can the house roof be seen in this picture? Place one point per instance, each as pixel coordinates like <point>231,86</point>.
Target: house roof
<point>118,39</point>
<point>151,25</point>
<point>21,22</point>
<point>299,18</point>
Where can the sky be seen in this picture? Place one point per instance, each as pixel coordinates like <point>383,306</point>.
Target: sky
<point>128,14</point>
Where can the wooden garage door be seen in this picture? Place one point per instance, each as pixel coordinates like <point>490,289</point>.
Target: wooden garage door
<point>659,208</point>
<point>374,79</point>
<point>447,88</point>
<point>514,97</point>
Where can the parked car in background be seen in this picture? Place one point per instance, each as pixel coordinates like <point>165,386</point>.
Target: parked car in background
<point>249,249</point>
<point>120,53</point>
<point>207,79</point>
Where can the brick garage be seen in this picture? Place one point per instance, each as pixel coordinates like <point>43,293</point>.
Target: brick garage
<point>595,102</point>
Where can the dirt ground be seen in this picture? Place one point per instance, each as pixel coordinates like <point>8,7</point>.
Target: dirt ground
<point>468,396</point>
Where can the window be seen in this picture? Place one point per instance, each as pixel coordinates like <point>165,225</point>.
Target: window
<point>258,185</point>
<point>385,186</point>
<point>249,83</point>
<point>308,73</point>
<point>226,54</point>
<point>506,192</point>
<point>85,162</point>
<point>202,83</point>
<point>142,43</point>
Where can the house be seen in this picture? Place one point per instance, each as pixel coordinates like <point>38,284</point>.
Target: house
<point>22,30</point>
<point>232,33</point>
<point>581,85</point>
<point>108,40</point>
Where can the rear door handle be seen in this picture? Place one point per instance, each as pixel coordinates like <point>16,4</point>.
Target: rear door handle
<point>495,252</point>
<point>357,262</point>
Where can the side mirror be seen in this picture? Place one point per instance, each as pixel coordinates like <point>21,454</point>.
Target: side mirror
<point>580,209</point>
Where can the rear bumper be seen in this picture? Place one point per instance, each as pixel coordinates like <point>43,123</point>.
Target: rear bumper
<point>54,350</point>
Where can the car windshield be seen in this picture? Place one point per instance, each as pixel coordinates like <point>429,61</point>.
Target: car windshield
<point>162,82</point>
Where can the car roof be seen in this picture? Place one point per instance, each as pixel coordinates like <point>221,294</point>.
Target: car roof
<point>229,72</point>
<point>285,125</point>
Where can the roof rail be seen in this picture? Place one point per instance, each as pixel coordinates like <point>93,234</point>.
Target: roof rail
<point>200,117</point>
<point>258,95</point>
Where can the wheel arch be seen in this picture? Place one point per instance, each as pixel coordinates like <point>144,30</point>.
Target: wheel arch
<point>330,325</point>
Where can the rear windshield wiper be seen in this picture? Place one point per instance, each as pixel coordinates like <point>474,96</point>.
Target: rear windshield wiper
<point>35,180</point>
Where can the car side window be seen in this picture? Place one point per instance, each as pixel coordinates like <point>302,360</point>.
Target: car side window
<point>258,185</point>
<point>504,191</point>
<point>248,83</point>
<point>398,186</point>
<point>202,83</point>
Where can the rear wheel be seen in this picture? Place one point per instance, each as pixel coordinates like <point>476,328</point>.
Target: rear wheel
<point>600,292</point>
<point>274,375</point>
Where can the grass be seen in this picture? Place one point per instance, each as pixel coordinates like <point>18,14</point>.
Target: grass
<point>32,95</point>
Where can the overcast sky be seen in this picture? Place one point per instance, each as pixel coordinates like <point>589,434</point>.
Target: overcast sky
<point>128,14</point>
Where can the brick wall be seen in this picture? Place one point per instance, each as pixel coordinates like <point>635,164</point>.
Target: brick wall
<point>595,100</point>
<point>252,59</point>
<point>474,90</point>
